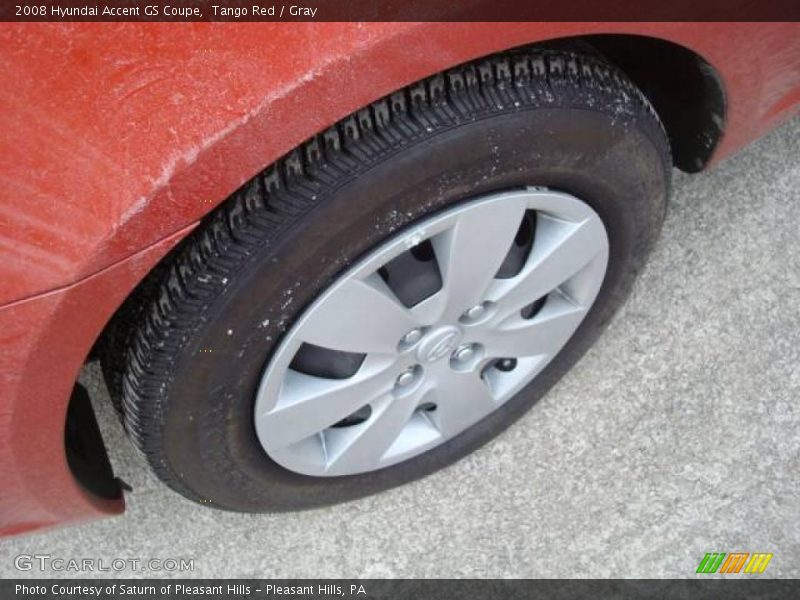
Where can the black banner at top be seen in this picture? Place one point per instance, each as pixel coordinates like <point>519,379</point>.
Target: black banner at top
<point>399,10</point>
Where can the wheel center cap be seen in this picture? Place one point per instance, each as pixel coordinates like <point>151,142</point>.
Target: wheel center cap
<point>438,343</point>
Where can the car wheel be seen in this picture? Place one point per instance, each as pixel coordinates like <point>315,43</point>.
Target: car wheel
<point>397,291</point>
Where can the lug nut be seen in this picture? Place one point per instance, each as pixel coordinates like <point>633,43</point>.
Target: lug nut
<point>412,337</point>
<point>464,353</point>
<point>507,364</point>
<point>475,313</point>
<point>406,378</point>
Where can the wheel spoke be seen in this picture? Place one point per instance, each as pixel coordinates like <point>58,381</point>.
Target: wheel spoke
<point>308,404</point>
<point>472,250</point>
<point>542,335</point>
<point>461,400</point>
<point>358,316</point>
<point>560,250</point>
<point>363,448</point>
<point>431,309</point>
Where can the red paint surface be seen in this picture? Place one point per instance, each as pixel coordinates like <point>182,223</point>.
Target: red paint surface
<point>117,138</point>
<point>44,341</point>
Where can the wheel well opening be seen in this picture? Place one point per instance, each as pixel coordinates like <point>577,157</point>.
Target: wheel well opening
<point>85,450</point>
<point>685,90</point>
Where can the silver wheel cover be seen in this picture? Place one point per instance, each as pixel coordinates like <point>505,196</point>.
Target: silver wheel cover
<point>436,368</point>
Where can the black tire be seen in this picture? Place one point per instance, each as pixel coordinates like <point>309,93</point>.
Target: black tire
<point>197,338</point>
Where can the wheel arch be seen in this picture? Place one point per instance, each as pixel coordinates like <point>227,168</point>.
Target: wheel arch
<point>686,89</point>
<point>631,53</point>
<point>694,133</point>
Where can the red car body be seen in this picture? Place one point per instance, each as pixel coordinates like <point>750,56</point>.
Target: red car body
<point>117,139</point>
